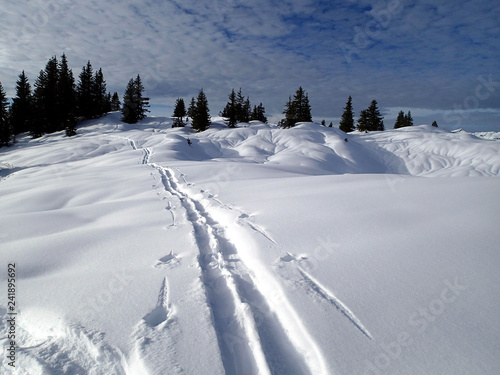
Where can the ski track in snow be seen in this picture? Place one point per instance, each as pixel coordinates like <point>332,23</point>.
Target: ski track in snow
<point>313,286</point>
<point>250,337</point>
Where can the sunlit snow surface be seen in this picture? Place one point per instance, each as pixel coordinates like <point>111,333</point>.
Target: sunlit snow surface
<point>255,250</point>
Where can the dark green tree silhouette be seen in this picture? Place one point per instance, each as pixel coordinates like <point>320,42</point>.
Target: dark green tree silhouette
<point>347,120</point>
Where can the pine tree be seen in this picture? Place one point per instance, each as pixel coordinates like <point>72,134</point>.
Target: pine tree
<point>179,113</point>
<point>403,120</point>
<point>22,106</point>
<point>99,98</point>
<point>47,117</point>
<point>5,128</point>
<point>302,107</point>
<point>85,92</point>
<point>370,119</point>
<point>115,102</point>
<point>290,116</point>
<point>408,119</point>
<point>323,122</point>
<point>201,118</point>
<point>246,112</point>
<point>192,108</point>
<point>435,124</point>
<point>400,120</point>
<point>230,110</point>
<point>347,120</point>
<point>259,114</point>
<point>240,103</point>
<point>296,110</point>
<point>66,98</point>
<point>134,104</point>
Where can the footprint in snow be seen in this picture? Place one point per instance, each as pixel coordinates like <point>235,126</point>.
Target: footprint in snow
<point>168,261</point>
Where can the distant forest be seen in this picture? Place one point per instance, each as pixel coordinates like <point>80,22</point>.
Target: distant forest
<point>58,103</point>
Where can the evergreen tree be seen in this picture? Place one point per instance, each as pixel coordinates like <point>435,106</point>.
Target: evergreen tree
<point>179,113</point>
<point>302,107</point>
<point>408,119</point>
<point>240,103</point>
<point>323,122</point>
<point>290,116</point>
<point>370,119</point>
<point>22,106</point>
<point>259,114</point>
<point>99,97</point>
<point>403,120</point>
<point>85,92</point>
<point>246,111</point>
<point>115,102</point>
<point>330,125</point>
<point>134,104</point>
<point>400,120</point>
<point>201,118</point>
<point>47,117</point>
<point>192,108</point>
<point>5,128</point>
<point>347,120</point>
<point>230,110</point>
<point>435,124</point>
<point>66,98</point>
<point>297,110</point>
<point>109,100</point>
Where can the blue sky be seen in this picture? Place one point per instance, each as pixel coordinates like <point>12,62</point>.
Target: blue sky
<point>439,59</point>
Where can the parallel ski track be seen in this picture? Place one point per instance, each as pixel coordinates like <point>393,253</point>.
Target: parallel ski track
<point>250,337</point>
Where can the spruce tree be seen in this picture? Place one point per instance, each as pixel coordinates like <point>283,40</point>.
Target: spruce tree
<point>46,113</point>
<point>400,120</point>
<point>370,119</point>
<point>347,120</point>
<point>201,118</point>
<point>403,120</point>
<point>85,92</point>
<point>99,97</point>
<point>5,128</point>
<point>115,102</point>
<point>259,114</point>
<point>230,111</point>
<point>435,124</point>
<point>22,106</point>
<point>297,110</point>
<point>192,108</point>
<point>179,113</point>
<point>240,103</point>
<point>66,98</point>
<point>408,119</point>
<point>134,104</point>
<point>290,115</point>
<point>302,107</point>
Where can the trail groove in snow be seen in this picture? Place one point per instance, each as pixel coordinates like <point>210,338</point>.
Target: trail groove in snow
<point>251,338</point>
<point>324,293</point>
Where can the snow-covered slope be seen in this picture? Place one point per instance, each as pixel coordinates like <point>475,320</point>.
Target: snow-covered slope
<point>255,250</point>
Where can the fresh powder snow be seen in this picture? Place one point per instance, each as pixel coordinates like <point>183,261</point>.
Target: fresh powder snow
<point>253,250</point>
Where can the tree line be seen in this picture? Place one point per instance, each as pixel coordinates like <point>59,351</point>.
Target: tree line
<point>59,102</point>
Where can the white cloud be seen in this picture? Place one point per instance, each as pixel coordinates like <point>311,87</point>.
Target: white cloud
<point>425,55</point>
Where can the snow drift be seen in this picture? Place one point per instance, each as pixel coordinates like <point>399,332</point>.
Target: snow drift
<point>255,250</point>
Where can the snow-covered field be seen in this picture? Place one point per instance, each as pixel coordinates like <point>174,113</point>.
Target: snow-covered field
<point>255,250</point>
